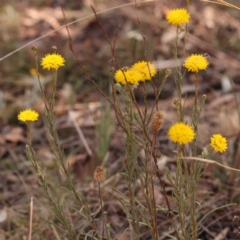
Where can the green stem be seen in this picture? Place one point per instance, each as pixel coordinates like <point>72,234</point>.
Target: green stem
<point>104,220</point>
<point>131,160</point>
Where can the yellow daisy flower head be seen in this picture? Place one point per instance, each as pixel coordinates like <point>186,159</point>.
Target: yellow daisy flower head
<point>52,61</point>
<point>28,116</point>
<point>132,76</point>
<point>178,16</point>
<point>33,71</point>
<point>181,133</point>
<point>146,68</point>
<point>196,62</point>
<point>218,143</point>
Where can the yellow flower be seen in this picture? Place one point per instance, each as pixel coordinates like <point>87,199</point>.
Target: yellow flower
<point>146,68</point>
<point>28,116</point>
<point>181,133</point>
<point>196,62</point>
<point>218,143</point>
<point>52,61</point>
<point>132,76</point>
<point>178,17</point>
<point>33,71</point>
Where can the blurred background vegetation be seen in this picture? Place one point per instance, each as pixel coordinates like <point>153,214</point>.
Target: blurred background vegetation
<point>214,30</point>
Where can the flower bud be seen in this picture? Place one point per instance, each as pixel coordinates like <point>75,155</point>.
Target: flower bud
<point>98,174</point>
<point>157,121</point>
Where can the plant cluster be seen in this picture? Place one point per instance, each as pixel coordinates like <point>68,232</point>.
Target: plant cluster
<point>141,127</point>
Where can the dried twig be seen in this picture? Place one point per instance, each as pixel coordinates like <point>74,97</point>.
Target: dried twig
<point>68,24</point>
<point>212,162</point>
<point>221,2</point>
<point>80,133</point>
<point>30,220</point>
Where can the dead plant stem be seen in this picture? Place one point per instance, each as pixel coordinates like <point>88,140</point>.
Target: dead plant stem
<point>153,193</point>
<point>103,215</point>
<point>161,181</point>
<point>30,219</point>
